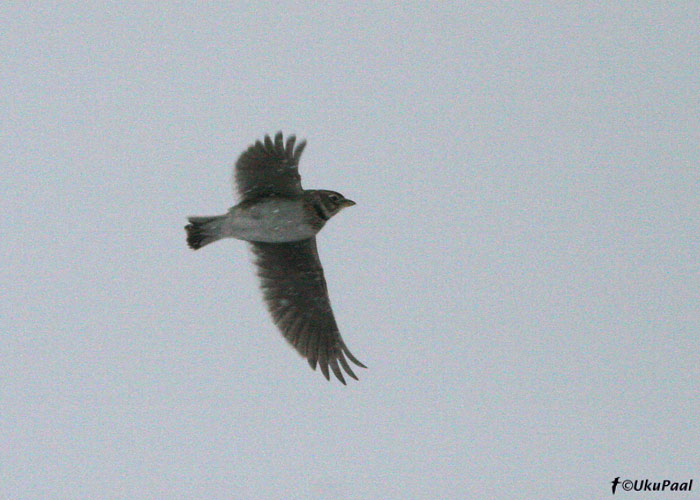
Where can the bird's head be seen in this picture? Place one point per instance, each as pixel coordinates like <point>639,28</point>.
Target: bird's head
<point>329,203</point>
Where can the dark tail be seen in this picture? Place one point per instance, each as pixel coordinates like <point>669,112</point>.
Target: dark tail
<point>203,230</point>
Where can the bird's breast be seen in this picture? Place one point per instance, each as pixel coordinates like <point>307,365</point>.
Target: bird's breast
<point>272,220</point>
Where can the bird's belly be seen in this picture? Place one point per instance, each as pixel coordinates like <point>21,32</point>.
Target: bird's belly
<point>275,221</point>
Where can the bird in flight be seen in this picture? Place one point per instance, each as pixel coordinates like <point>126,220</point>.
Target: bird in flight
<point>280,219</point>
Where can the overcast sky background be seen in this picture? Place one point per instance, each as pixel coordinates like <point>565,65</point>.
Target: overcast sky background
<point>521,273</point>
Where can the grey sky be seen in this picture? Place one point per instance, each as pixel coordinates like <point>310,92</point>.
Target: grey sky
<point>521,272</point>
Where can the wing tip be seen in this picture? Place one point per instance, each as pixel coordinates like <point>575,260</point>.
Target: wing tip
<point>299,150</point>
<point>351,357</point>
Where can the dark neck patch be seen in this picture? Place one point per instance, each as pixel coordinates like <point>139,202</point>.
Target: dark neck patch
<point>321,210</point>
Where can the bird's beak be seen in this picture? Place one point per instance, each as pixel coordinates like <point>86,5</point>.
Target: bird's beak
<point>348,203</point>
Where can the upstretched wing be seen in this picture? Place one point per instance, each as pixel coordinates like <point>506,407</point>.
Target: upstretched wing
<point>296,294</point>
<point>269,167</point>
